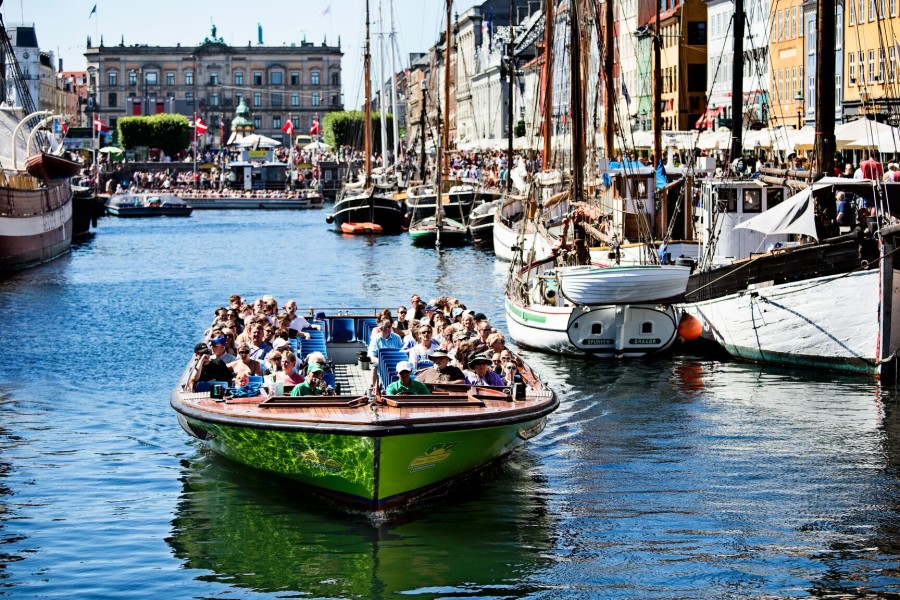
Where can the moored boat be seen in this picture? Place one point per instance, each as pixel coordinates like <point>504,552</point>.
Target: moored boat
<point>261,200</point>
<point>363,447</point>
<point>51,167</point>
<point>147,205</point>
<point>361,228</point>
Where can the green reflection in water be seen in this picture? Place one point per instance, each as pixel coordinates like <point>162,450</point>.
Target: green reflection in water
<point>238,527</point>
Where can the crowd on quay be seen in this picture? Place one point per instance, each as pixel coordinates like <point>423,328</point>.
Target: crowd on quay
<point>445,343</point>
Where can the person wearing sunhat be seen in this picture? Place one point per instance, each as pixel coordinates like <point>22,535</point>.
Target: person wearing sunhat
<point>481,372</point>
<point>442,371</point>
<point>314,384</point>
<point>406,385</point>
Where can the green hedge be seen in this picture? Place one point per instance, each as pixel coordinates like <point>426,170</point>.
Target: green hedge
<point>170,133</point>
<point>346,129</point>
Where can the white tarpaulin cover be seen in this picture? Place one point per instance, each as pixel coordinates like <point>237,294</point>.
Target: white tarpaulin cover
<point>794,215</point>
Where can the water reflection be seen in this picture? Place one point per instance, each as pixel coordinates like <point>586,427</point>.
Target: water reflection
<point>232,523</point>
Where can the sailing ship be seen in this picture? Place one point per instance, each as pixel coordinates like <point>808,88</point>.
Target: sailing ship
<point>367,202</point>
<point>564,302</point>
<point>35,213</point>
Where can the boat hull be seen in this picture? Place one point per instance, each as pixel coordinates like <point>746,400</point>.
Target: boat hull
<point>827,322</point>
<point>608,331</point>
<point>506,238</point>
<point>146,211</point>
<point>481,224</point>
<point>365,470</point>
<point>380,209</point>
<point>250,203</point>
<point>36,225</point>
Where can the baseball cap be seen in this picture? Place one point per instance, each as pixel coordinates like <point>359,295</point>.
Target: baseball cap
<point>201,348</point>
<point>403,366</point>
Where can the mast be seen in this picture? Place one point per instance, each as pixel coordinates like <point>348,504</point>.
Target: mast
<point>445,138</point>
<point>424,131</point>
<point>610,43</point>
<point>381,104</point>
<point>367,125</point>
<point>825,142</point>
<point>576,102</point>
<point>737,80</point>
<point>657,89</point>
<point>510,71</point>
<point>549,6</point>
<point>395,55</point>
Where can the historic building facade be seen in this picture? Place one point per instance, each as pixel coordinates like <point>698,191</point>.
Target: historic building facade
<point>296,81</point>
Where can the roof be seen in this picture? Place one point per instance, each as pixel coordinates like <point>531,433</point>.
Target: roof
<point>23,36</point>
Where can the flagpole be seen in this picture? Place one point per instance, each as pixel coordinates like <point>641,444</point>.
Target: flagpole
<point>194,172</point>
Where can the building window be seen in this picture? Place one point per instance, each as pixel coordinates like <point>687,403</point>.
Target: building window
<point>696,78</point>
<point>113,99</point>
<point>113,77</point>
<point>214,78</point>
<point>213,99</point>
<point>871,66</point>
<point>275,99</point>
<point>276,122</point>
<point>189,95</point>
<point>314,78</point>
<point>892,62</point>
<point>335,79</point>
<point>882,9</point>
<point>893,8</point>
<point>257,98</point>
<point>315,98</point>
<point>295,99</point>
<point>188,78</point>
<point>113,123</point>
<point>257,122</point>
<point>862,11</point>
<point>861,59</point>
<point>257,78</point>
<point>152,78</point>
<point>838,93</point>
<point>852,11</point>
<point>170,78</point>
<point>881,65</point>
<point>871,10</point>
<point>132,78</point>
<point>277,78</point>
<point>296,121</point>
<point>295,76</point>
<point>696,33</point>
<point>238,78</point>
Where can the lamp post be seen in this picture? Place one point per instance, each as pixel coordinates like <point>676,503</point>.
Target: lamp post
<point>798,98</point>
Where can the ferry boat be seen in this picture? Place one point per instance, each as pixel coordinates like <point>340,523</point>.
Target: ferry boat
<point>360,445</point>
<point>259,200</point>
<point>147,205</point>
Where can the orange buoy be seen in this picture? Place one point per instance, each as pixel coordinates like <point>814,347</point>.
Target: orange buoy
<point>689,328</point>
<point>360,228</point>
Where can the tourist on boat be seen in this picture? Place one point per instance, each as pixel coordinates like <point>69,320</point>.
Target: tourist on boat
<point>402,323</point>
<point>441,371</point>
<point>484,329</point>
<point>298,322</point>
<point>207,368</point>
<point>425,346</point>
<point>383,336</point>
<point>259,347</point>
<point>271,365</point>
<point>219,346</point>
<point>230,346</point>
<point>406,385</point>
<point>846,212</point>
<point>245,364</point>
<point>496,342</point>
<point>480,372</point>
<point>314,385</point>
<point>288,373</point>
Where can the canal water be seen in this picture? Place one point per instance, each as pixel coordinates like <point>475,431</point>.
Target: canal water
<point>679,477</point>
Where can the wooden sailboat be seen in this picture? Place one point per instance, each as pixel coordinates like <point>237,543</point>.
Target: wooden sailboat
<point>435,227</point>
<point>367,207</point>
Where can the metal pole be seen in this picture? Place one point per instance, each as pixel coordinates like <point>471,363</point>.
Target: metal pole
<point>737,76</point>
<point>445,139</point>
<point>510,71</point>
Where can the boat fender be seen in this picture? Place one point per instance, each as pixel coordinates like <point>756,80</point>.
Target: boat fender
<point>689,327</point>
<point>329,218</point>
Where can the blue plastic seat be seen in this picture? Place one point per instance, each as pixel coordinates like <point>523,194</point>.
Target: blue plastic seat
<point>342,330</point>
<point>254,379</point>
<point>362,333</point>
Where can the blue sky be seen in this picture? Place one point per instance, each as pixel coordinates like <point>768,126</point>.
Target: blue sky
<point>63,25</point>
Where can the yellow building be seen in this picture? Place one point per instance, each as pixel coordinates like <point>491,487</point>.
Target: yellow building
<point>786,79</point>
<point>870,56</point>
<point>683,63</point>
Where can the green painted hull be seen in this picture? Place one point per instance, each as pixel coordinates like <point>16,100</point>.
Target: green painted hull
<point>448,237</point>
<point>376,472</point>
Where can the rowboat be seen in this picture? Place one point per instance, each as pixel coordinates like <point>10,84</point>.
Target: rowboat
<point>50,167</point>
<point>589,284</point>
<point>362,447</point>
<point>361,228</point>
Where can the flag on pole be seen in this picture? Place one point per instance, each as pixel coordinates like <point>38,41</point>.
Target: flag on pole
<point>288,128</point>
<point>326,11</point>
<point>315,129</point>
<point>222,129</point>
<point>100,125</point>
<point>93,10</point>
<point>200,126</point>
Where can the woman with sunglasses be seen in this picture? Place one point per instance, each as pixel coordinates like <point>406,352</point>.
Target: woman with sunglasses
<point>244,364</point>
<point>425,346</point>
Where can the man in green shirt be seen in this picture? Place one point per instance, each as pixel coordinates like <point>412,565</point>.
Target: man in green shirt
<point>406,385</point>
<point>314,384</point>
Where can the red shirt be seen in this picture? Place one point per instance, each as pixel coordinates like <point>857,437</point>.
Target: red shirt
<point>872,169</point>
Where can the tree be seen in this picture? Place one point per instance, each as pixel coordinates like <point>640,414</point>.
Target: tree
<point>346,129</point>
<point>169,133</point>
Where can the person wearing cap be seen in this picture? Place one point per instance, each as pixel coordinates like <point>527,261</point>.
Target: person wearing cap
<point>406,385</point>
<point>314,384</point>
<point>480,372</point>
<point>220,350</point>
<point>207,368</point>
<point>442,371</point>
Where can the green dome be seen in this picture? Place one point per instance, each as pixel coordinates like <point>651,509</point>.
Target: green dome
<point>241,120</point>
